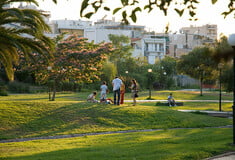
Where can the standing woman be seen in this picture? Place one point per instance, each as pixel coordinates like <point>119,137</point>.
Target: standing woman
<point>134,91</point>
<point>122,93</point>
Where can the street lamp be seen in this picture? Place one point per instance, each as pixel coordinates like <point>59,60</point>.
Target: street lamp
<point>231,41</point>
<point>149,79</point>
<point>220,66</point>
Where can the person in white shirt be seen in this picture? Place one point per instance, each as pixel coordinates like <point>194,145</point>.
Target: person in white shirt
<point>103,92</point>
<point>116,90</point>
<point>91,98</point>
<point>171,100</point>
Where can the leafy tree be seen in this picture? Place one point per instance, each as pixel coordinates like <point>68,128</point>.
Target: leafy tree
<point>167,70</point>
<point>198,64</point>
<point>227,77</point>
<point>130,8</point>
<point>223,51</point>
<point>109,71</point>
<point>21,31</point>
<point>122,47</point>
<point>75,60</point>
<point>223,55</point>
<point>122,52</point>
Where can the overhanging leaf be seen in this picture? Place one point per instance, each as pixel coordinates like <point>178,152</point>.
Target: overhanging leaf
<point>133,17</point>
<point>180,12</point>
<point>116,10</point>
<point>84,6</point>
<point>107,8</point>
<point>88,15</point>
<point>213,1</point>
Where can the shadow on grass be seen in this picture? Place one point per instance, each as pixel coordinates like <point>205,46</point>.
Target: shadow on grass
<point>89,117</point>
<point>171,144</point>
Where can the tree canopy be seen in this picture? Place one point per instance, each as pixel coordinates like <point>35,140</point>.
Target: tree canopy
<point>198,61</point>
<point>75,60</point>
<point>21,31</point>
<point>129,8</point>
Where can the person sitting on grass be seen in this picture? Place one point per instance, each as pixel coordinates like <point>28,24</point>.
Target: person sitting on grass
<point>91,98</point>
<point>171,100</point>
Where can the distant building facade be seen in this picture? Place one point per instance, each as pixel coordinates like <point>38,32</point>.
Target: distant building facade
<point>150,47</point>
<point>101,30</point>
<point>191,37</point>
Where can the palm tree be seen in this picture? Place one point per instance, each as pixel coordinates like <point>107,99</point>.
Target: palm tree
<point>22,31</point>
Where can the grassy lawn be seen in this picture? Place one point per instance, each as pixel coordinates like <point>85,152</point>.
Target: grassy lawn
<point>208,106</point>
<point>186,144</point>
<point>32,119</point>
<point>32,115</point>
<point>187,95</point>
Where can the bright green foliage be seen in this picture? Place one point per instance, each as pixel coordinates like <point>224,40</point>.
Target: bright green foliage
<point>109,71</point>
<point>21,31</point>
<point>123,48</point>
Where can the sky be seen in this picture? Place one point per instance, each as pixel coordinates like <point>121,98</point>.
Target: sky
<point>206,14</point>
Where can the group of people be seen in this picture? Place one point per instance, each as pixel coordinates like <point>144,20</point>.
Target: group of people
<point>118,92</point>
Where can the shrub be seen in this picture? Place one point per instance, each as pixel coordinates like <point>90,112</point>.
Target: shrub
<point>3,90</point>
<point>18,87</point>
<point>69,86</point>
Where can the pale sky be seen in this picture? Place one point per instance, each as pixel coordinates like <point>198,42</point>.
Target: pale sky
<point>207,14</point>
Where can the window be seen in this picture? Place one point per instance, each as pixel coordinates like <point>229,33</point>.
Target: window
<point>161,47</point>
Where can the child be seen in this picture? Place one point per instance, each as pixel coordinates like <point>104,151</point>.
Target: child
<point>91,98</point>
<point>103,93</point>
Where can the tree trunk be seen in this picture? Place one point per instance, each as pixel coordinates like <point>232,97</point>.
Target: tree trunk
<point>54,91</point>
<point>201,86</point>
<point>49,92</point>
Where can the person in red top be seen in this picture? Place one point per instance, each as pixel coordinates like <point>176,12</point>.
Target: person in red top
<point>122,93</point>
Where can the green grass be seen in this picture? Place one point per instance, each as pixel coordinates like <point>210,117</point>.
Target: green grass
<point>208,106</point>
<point>185,144</point>
<point>30,119</point>
<point>186,95</point>
<point>32,115</point>
<point>157,95</point>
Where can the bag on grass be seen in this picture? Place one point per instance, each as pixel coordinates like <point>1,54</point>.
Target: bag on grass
<point>136,95</point>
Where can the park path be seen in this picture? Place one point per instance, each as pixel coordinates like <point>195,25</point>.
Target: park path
<point>226,101</point>
<point>98,133</point>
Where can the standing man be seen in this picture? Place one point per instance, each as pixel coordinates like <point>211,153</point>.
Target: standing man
<point>116,90</point>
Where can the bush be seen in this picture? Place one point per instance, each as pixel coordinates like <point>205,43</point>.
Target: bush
<point>3,91</point>
<point>18,87</point>
<point>69,86</point>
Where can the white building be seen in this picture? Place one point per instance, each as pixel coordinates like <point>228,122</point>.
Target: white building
<point>70,26</point>
<point>154,48</point>
<point>103,28</point>
<point>101,34</point>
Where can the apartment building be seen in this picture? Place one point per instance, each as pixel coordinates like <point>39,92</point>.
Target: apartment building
<point>191,37</point>
<point>103,28</point>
